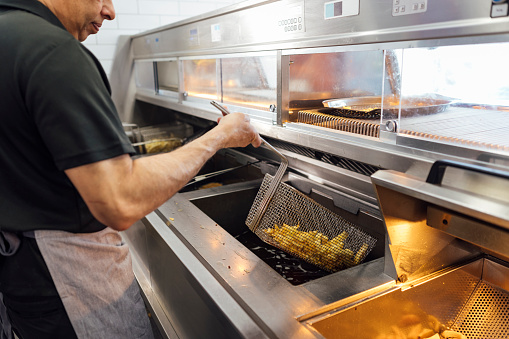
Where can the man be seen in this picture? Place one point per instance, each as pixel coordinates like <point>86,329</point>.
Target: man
<point>67,181</point>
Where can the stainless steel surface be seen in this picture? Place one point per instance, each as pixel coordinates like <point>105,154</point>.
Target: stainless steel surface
<point>416,248</point>
<point>271,302</point>
<point>240,29</point>
<point>461,299</point>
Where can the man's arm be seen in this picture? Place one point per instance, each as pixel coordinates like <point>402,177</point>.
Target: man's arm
<point>120,191</point>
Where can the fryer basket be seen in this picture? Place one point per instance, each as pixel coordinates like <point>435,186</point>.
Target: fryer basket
<point>300,226</point>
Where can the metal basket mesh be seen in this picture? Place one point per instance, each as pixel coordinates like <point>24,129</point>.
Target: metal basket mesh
<point>300,226</point>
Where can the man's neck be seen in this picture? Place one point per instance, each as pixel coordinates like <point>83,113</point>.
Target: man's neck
<point>58,8</point>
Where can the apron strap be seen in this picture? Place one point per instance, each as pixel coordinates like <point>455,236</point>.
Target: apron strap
<point>5,322</point>
<point>9,244</point>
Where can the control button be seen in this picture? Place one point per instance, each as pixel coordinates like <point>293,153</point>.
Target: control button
<point>499,10</point>
<point>409,7</point>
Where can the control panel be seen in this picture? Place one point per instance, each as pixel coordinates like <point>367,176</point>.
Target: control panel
<point>292,20</point>
<point>406,7</point>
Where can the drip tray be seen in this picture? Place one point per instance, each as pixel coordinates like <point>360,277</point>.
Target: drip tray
<point>472,300</point>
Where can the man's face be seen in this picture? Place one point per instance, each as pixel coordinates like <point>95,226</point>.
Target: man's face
<point>90,15</point>
<point>82,17</point>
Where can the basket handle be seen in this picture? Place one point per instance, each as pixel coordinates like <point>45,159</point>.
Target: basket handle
<point>437,171</point>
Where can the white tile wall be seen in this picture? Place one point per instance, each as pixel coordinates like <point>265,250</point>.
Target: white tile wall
<point>134,16</point>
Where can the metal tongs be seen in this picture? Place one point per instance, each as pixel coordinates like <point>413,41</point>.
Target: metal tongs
<point>271,190</point>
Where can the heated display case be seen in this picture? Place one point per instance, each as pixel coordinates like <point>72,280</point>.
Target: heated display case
<point>393,115</point>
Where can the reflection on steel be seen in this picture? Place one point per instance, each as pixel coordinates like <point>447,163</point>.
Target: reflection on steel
<point>370,129</point>
<point>461,300</point>
<point>393,71</point>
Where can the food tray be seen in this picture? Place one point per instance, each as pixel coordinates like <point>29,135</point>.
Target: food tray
<point>410,105</point>
<point>464,300</point>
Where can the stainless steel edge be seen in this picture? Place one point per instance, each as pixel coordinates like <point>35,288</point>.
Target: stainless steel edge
<point>203,279</point>
<point>466,203</point>
<point>157,312</point>
<point>496,274</point>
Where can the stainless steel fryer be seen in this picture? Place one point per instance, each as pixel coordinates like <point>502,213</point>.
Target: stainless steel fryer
<point>201,277</point>
<point>451,267</point>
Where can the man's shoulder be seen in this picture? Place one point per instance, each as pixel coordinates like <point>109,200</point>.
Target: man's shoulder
<point>28,39</point>
<point>20,27</point>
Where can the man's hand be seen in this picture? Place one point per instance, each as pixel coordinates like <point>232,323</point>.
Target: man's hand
<point>238,131</point>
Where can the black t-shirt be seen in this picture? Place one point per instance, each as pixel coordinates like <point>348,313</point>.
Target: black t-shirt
<point>56,113</point>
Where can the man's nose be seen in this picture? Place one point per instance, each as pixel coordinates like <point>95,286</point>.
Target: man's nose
<point>108,11</point>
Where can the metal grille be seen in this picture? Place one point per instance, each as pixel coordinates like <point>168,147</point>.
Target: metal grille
<point>464,126</point>
<point>300,226</point>
<point>486,314</point>
<point>445,297</point>
<point>313,117</point>
<point>459,125</point>
<point>345,163</point>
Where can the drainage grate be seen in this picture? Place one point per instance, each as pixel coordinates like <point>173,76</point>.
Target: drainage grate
<point>345,163</point>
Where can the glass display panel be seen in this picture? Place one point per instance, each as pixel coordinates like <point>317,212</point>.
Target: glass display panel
<point>200,78</point>
<point>336,75</point>
<point>341,90</point>
<point>250,81</point>
<point>144,75</point>
<point>456,94</point>
<point>167,77</point>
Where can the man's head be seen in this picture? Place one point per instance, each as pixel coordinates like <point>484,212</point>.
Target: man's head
<point>81,17</point>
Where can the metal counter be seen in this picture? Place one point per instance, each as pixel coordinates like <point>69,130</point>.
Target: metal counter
<point>200,280</point>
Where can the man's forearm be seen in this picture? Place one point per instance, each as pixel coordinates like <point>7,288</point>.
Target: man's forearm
<point>120,191</point>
